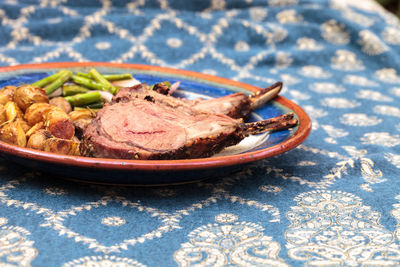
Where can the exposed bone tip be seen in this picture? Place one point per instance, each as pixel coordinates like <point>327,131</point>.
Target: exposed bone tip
<point>277,85</point>
<point>263,96</point>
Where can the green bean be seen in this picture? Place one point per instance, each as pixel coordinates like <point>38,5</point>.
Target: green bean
<point>109,77</point>
<point>88,83</point>
<point>73,89</point>
<point>65,76</point>
<point>95,105</point>
<point>84,99</point>
<point>86,108</point>
<point>116,77</point>
<point>83,74</point>
<point>48,79</point>
<point>95,75</point>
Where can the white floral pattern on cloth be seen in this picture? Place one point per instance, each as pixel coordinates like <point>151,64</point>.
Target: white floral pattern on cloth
<point>283,60</point>
<point>335,32</point>
<point>371,44</point>
<point>336,102</point>
<point>354,152</point>
<point>298,95</point>
<point>359,80</point>
<point>308,44</point>
<point>346,61</point>
<point>394,159</point>
<point>307,163</point>
<point>395,212</point>
<point>314,72</point>
<point>282,3</point>
<point>103,261</point>
<point>16,249</point>
<point>387,110</point>
<point>381,138</point>
<point>387,75</point>
<point>271,189</point>
<point>229,243</point>
<point>391,35</point>
<point>258,14</point>
<point>113,221</point>
<point>289,16</point>
<point>314,114</point>
<point>55,191</point>
<point>371,176</point>
<point>327,88</point>
<point>373,95</point>
<point>334,228</point>
<point>395,91</point>
<point>358,18</point>
<point>359,119</point>
<point>333,133</point>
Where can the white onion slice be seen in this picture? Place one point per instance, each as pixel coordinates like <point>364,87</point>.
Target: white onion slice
<point>126,83</point>
<point>106,96</point>
<point>173,87</point>
<point>56,93</point>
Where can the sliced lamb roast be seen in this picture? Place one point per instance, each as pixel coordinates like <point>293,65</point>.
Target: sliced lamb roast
<point>136,128</point>
<point>238,105</point>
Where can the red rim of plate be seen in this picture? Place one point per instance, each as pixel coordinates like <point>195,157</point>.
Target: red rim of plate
<point>294,140</point>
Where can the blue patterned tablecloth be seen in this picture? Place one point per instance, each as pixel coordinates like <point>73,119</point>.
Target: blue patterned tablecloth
<point>335,200</point>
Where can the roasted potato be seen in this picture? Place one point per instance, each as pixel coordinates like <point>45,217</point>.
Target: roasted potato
<point>13,133</point>
<point>3,114</point>
<point>61,146</point>
<point>26,95</point>
<point>13,111</point>
<point>81,114</point>
<point>37,140</point>
<point>58,124</point>
<point>25,126</point>
<point>81,119</point>
<point>37,112</point>
<point>61,103</point>
<point>7,94</point>
<point>38,126</point>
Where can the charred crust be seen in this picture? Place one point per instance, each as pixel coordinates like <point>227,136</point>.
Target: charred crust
<point>149,98</point>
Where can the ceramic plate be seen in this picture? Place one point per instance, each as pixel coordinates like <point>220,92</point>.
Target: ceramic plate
<point>151,172</point>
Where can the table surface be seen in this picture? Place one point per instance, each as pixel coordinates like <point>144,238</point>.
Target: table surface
<point>335,200</point>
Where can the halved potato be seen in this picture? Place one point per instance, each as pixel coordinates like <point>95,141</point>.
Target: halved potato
<point>26,95</point>
<point>13,133</point>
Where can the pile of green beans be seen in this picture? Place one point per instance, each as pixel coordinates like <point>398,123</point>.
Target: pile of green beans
<point>76,87</point>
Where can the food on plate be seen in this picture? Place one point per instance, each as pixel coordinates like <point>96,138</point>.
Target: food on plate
<point>36,127</point>
<point>61,146</point>
<point>238,105</point>
<point>54,118</point>
<point>62,103</point>
<point>12,111</point>
<point>36,113</point>
<point>3,114</point>
<point>7,94</point>
<point>38,138</point>
<point>13,133</point>
<point>115,116</point>
<point>141,129</point>
<point>58,124</point>
<point>81,119</point>
<point>26,95</point>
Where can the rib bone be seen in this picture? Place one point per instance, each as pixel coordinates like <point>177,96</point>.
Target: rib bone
<point>281,122</point>
<point>260,98</point>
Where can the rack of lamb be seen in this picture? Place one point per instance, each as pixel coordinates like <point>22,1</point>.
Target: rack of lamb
<point>143,124</point>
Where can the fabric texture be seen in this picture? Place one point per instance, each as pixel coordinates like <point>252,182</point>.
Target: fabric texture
<point>335,200</point>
